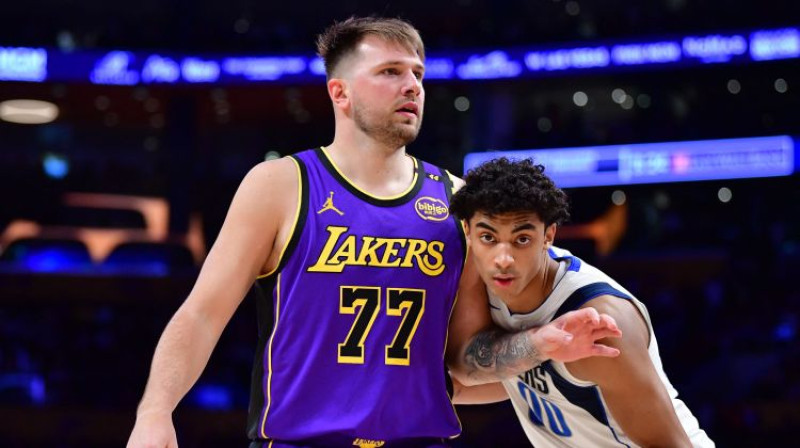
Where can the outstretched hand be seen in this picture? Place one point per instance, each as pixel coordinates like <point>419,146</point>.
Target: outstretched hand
<point>574,336</point>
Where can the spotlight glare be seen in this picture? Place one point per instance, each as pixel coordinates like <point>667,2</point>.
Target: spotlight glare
<point>618,197</point>
<point>725,195</point>
<point>580,99</point>
<point>28,111</point>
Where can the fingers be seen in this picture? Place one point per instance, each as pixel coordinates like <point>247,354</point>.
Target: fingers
<point>604,350</point>
<point>603,333</point>
<point>585,315</point>
<point>608,322</point>
<point>607,328</point>
<point>552,338</point>
<point>586,319</point>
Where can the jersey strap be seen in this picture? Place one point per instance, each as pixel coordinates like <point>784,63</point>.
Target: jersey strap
<point>575,262</point>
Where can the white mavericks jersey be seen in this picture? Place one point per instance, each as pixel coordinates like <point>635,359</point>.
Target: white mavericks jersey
<point>557,409</point>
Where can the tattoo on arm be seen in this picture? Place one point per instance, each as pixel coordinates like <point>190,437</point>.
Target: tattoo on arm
<point>495,355</point>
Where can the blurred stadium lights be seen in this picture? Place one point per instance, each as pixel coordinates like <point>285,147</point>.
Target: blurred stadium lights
<point>212,396</point>
<point>115,67</point>
<point>725,194</point>
<point>26,111</point>
<point>32,386</point>
<point>659,162</point>
<point>55,166</point>
<point>46,252</point>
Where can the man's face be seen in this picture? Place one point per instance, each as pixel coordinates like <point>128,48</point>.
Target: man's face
<point>387,94</point>
<point>510,251</point>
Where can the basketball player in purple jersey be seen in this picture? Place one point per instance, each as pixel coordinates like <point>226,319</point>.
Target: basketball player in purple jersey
<point>359,259</point>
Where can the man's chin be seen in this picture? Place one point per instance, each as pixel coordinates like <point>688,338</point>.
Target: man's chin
<point>406,136</point>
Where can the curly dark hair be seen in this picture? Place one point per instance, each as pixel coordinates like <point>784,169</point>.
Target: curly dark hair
<point>502,186</point>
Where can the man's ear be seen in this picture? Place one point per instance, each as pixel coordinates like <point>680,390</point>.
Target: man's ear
<point>339,92</point>
<point>465,225</point>
<point>550,235</point>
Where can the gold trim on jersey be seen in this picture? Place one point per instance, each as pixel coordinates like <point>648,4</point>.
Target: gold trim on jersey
<point>294,222</point>
<point>380,198</point>
<point>269,356</point>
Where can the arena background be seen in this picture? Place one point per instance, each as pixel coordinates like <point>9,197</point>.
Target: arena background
<point>106,212</point>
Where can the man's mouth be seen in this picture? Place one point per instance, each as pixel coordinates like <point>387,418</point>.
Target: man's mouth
<point>410,108</point>
<point>503,280</point>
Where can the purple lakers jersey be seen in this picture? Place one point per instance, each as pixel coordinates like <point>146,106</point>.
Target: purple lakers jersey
<point>352,353</point>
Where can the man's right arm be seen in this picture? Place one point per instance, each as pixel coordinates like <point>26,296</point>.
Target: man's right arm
<point>245,246</point>
<point>478,352</point>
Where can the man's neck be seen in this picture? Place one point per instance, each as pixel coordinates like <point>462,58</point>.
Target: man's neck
<point>375,168</point>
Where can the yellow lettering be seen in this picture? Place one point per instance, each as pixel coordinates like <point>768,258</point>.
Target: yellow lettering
<point>370,250</point>
<point>340,251</point>
<point>415,249</point>
<point>366,443</point>
<point>437,267</point>
<point>346,250</point>
<point>323,263</point>
<point>391,252</point>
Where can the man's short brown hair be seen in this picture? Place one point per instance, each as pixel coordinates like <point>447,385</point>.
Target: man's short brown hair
<point>342,38</point>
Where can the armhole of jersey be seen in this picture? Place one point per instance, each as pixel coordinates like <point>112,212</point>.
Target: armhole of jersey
<point>449,189</point>
<point>299,217</point>
<point>586,293</point>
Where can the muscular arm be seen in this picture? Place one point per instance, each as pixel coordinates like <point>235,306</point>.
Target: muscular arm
<point>478,352</point>
<point>495,353</point>
<point>244,246</point>
<point>630,383</point>
<point>482,394</point>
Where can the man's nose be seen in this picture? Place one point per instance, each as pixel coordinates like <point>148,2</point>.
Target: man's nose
<point>503,259</point>
<point>412,84</point>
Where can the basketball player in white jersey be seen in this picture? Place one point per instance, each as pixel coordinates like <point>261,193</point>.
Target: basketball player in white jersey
<point>511,210</point>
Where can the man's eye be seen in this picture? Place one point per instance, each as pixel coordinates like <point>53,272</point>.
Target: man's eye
<point>487,238</point>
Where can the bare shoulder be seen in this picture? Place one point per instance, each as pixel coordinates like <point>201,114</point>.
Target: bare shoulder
<point>270,186</point>
<point>274,173</point>
<point>266,199</point>
<point>633,345</point>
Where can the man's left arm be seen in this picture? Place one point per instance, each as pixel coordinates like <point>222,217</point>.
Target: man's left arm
<point>630,383</point>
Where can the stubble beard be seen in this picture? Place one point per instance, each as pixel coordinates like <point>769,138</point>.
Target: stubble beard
<point>386,131</point>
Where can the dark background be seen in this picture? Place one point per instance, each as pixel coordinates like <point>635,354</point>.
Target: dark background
<point>75,344</point>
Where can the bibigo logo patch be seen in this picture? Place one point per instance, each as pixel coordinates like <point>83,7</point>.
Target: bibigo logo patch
<point>431,209</point>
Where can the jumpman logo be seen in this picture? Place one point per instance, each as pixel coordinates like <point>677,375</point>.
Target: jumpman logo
<point>328,205</point>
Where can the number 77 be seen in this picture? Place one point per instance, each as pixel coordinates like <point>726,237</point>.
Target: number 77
<point>365,301</point>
